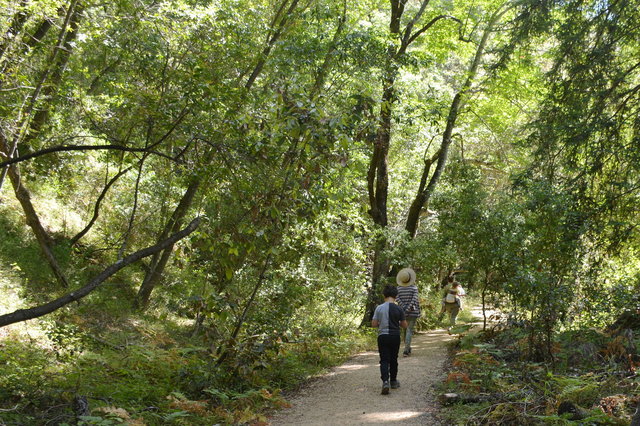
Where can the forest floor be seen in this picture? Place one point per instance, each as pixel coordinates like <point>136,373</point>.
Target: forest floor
<point>350,394</point>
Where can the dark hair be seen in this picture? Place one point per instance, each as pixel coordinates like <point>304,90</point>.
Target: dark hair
<point>451,278</point>
<point>390,291</point>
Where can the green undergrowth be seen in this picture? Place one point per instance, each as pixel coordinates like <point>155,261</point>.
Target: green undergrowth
<point>590,381</point>
<point>32,279</point>
<point>143,373</point>
<point>17,244</point>
<point>133,368</point>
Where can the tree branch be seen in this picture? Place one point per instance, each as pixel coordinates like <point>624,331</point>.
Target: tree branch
<point>275,34</point>
<point>64,148</point>
<point>407,31</point>
<point>324,68</point>
<point>38,311</point>
<point>429,25</point>
<point>132,217</point>
<point>96,208</point>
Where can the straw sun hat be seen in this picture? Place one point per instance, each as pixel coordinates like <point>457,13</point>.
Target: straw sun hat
<point>406,277</point>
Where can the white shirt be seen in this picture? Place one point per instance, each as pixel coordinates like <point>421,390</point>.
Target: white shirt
<point>453,293</point>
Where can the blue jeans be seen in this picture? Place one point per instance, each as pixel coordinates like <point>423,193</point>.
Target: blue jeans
<point>409,333</point>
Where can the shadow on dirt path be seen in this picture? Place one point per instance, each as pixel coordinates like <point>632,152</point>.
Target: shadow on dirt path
<point>350,394</point>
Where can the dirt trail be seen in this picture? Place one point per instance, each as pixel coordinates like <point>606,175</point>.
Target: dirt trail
<point>350,394</point>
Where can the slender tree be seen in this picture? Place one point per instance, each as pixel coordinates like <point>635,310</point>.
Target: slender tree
<point>378,175</point>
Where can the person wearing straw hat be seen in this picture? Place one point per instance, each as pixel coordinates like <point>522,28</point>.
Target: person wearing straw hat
<point>409,301</point>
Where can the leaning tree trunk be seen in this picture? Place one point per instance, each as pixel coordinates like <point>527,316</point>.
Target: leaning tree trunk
<point>330,56</point>
<point>425,192</point>
<point>159,260</point>
<point>278,25</point>
<point>54,67</point>
<point>17,22</point>
<point>41,117</point>
<point>42,236</point>
<point>96,207</point>
<point>27,42</point>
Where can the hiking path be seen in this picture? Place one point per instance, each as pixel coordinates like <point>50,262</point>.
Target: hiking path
<point>350,393</point>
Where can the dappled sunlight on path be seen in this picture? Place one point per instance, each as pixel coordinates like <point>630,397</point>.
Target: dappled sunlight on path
<point>390,416</point>
<point>350,394</point>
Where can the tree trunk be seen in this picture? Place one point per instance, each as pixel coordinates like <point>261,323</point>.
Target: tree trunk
<point>484,300</point>
<point>321,74</point>
<point>278,25</point>
<point>52,64</point>
<point>424,193</point>
<point>134,210</point>
<point>159,260</point>
<point>378,186</point>
<point>32,219</point>
<point>377,176</point>
<point>378,277</point>
<point>3,154</point>
<point>236,330</point>
<point>423,197</point>
<point>55,63</point>
<point>413,217</point>
<point>41,117</point>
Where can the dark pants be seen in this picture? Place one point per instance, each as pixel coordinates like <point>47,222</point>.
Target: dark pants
<point>388,347</point>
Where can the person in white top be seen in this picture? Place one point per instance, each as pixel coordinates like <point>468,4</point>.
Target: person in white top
<point>452,302</point>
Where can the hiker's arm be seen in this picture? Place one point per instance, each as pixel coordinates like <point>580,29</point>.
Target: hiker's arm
<point>374,323</point>
<point>404,324</point>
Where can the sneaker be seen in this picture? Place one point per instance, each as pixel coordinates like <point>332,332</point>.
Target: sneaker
<point>385,388</point>
<point>406,354</point>
<point>395,384</point>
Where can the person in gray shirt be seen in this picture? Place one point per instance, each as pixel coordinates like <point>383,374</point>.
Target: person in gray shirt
<point>389,317</point>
